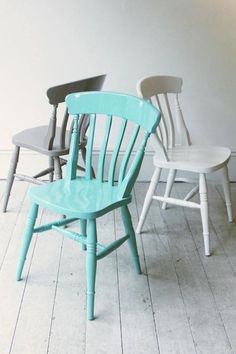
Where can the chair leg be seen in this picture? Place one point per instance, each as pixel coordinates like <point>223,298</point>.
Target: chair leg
<point>148,198</point>
<point>27,238</point>
<point>227,194</point>
<point>91,266</point>
<point>204,212</point>
<point>51,165</point>
<point>58,171</point>
<point>10,177</point>
<point>83,227</point>
<point>169,185</point>
<point>127,221</point>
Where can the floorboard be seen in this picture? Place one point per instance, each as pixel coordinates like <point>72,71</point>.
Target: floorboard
<point>103,335</point>
<point>70,336</point>
<point>173,329</point>
<point>183,302</point>
<point>135,299</point>
<point>33,325</point>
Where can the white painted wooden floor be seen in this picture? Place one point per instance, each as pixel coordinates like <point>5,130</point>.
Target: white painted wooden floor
<point>182,303</point>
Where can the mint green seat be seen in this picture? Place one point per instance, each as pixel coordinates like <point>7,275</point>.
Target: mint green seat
<point>87,198</point>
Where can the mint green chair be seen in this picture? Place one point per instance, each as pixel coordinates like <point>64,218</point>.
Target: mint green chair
<point>87,198</point>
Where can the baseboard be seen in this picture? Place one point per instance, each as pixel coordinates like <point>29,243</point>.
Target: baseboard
<point>31,162</point>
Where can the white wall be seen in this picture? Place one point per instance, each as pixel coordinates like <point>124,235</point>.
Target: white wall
<point>50,42</point>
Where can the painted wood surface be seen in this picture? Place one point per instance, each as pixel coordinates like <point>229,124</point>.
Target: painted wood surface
<point>174,152</point>
<point>182,303</point>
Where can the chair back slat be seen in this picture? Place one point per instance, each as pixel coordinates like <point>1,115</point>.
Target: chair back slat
<point>159,133</point>
<point>115,153</point>
<point>163,131</point>
<point>88,162</point>
<point>63,129</point>
<point>102,155</point>
<point>180,124</point>
<point>132,174</point>
<point>127,154</point>
<point>71,167</point>
<point>171,143</point>
<point>51,131</point>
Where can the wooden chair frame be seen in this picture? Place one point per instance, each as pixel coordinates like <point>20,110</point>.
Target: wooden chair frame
<point>87,198</point>
<point>175,152</point>
<point>51,140</point>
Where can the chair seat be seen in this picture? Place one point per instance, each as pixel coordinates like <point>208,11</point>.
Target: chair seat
<point>34,139</point>
<point>85,199</point>
<point>194,158</point>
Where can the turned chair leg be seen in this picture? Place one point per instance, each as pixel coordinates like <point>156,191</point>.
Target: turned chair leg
<point>51,165</point>
<point>148,198</point>
<point>169,185</point>
<point>29,230</point>
<point>227,194</point>
<point>204,212</point>
<point>83,227</point>
<point>58,171</point>
<point>10,177</point>
<point>126,218</point>
<point>91,266</point>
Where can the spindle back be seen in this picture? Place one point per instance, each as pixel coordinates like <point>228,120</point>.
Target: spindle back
<point>163,92</point>
<point>56,95</point>
<point>106,109</point>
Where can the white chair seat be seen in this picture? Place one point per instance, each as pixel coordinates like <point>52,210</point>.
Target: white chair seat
<point>194,158</point>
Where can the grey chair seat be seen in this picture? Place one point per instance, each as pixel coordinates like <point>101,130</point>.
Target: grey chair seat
<point>34,139</point>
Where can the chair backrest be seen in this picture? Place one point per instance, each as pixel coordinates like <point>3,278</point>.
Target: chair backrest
<point>158,90</point>
<point>57,95</point>
<point>135,119</point>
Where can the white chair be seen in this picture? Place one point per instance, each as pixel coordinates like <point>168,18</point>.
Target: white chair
<point>174,151</point>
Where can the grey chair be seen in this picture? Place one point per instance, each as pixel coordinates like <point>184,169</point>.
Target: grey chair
<point>51,140</point>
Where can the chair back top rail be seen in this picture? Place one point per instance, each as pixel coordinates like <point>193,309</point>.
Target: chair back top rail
<point>116,104</point>
<point>57,95</point>
<point>110,106</point>
<point>155,85</point>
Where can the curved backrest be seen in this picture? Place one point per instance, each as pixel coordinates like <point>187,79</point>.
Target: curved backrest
<point>155,85</point>
<point>106,109</point>
<point>57,95</point>
<point>158,90</point>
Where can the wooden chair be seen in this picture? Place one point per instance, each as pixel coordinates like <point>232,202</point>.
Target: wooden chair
<point>51,140</point>
<point>87,198</point>
<point>174,151</point>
